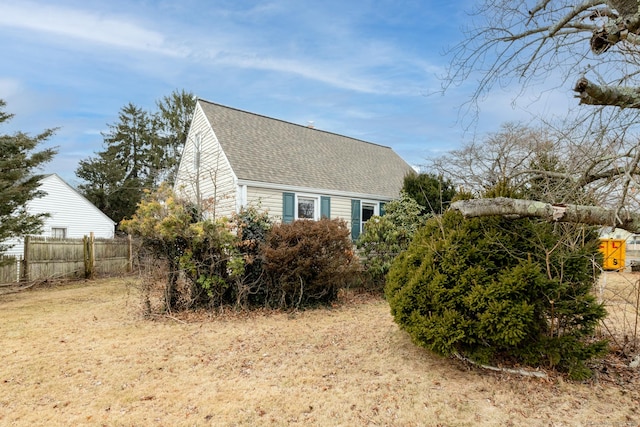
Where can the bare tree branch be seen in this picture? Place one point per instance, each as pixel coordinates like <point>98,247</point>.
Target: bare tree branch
<point>594,94</point>
<point>577,10</point>
<point>591,156</point>
<point>503,206</point>
<point>524,42</point>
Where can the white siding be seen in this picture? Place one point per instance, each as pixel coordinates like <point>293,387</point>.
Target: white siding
<point>211,180</point>
<point>266,200</point>
<point>271,201</point>
<point>67,209</point>
<point>341,208</point>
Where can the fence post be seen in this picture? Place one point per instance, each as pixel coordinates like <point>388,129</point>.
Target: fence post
<point>89,255</point>
<point>25,260</point>
<point>130,262</point>
<point>18,268</point>
<point>92,254</point>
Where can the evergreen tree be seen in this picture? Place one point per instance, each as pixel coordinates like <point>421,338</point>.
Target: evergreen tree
<point>174,119</point>
<point>496,289</point>
<point>130,141</point>
<point>142,150</point>
<point>108,187</point>
<point>19,159</point>
<point>117,176</point>
<point>432,192</point>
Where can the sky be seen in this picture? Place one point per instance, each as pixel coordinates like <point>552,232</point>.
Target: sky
<point>368,69</point>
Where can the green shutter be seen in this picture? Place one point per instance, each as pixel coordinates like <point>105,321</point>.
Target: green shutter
<point>355,219</point>
<point>288,207</point>
<point>382,208</point>
<point>325,207</point>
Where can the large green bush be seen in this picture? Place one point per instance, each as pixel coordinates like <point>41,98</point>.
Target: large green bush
<point>384,237</point>
<point>307,262</point>
<point>496,289</point>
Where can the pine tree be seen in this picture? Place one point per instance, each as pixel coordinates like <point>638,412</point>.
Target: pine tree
<point>117,176</point>
<point>174,119</point>
<point>18,181</point>
<point>142,150</point>
<point>432,192</point>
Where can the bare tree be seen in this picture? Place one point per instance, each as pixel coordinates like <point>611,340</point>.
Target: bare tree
<point>546,163</point>
<point>528,41</point>
<point>590,46</point>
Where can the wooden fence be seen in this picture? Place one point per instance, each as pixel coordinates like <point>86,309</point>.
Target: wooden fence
<point>9,268</point>
<point>51,259</point>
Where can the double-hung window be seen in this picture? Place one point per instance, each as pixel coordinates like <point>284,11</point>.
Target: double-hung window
<point>58,232</point>
<point>305,206</point>
<point>368,210</point>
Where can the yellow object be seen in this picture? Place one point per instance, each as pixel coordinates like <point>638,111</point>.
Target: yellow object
<point>614,252</point>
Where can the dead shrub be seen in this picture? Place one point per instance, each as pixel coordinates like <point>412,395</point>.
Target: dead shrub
<point>307,262</point>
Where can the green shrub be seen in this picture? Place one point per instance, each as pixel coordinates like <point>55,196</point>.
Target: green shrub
<point>495,289</point>
<point>432,192</point>
<point>386,236</point>
<point>252,228</point>
<point>307,262</point>
<point>203,251</point>
<point>208,262</point>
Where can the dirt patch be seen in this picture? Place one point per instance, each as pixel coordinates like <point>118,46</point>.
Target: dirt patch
<point>85,355</point>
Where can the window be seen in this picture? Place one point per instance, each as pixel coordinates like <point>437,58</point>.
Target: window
<point>361,212</point>
<point>306,208</point>
<point>58,233</point>
<point>368,210</point>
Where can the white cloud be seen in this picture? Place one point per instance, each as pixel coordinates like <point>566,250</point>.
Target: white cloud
<point>352,63</point>
<point>90,27</point>
<point>325,73</point>
<point>350,73</point>
<point>9,88</point>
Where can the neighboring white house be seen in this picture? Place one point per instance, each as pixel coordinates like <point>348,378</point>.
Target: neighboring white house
<point>70,214</point>
<point>234,159</point>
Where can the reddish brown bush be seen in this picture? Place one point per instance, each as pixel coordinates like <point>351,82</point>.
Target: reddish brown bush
<point>307,262</point>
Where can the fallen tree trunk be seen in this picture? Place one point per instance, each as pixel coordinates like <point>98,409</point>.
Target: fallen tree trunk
<point>524,372</point>
<point>503,206</point>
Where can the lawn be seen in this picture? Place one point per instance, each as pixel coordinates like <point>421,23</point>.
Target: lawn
<point>83,354</point>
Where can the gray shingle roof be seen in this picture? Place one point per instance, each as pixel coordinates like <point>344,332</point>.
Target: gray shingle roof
<point>269,150</point>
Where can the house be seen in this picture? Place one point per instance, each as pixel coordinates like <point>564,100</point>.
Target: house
<point>70,214</point>
<point>236,159</point>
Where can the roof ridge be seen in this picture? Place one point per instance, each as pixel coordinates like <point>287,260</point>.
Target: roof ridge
<point>292,123</point>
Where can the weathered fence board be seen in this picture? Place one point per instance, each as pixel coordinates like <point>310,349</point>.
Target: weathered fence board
<point>9,269</point>
<point>53,269</point>
<point>47,258</point>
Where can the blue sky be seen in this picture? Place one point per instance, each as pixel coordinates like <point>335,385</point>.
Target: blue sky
<point>365,69</point>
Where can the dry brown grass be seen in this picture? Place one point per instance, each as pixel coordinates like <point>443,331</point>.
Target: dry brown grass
<point>84,355</point>
<point>621,294</point>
